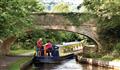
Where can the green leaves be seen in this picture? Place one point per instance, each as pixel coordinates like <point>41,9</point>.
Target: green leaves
<point>15,15</point>
<point>108,11</point>
<point>62,7</point>
<point>103,8</point>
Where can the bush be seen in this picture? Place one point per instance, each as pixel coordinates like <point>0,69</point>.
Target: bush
<point>107,58</point>
<point>117,48</point>
<point>16,46</point>
<point>92,55</point>
<point>115,53</point>
<point>28,44</point>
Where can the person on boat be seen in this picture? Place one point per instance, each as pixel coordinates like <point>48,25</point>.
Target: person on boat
<point>39,46</point>
<point>48,47</point>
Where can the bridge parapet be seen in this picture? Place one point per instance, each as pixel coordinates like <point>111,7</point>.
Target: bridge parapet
<point>61,19</point>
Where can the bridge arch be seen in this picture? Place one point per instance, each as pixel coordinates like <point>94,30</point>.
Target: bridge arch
<point>74,29</point>
<point>56,21</point>
<point>73,32</point>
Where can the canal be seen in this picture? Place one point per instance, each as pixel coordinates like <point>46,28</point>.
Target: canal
<point>68,65</point>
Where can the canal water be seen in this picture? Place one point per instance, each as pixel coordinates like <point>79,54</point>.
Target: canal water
<point>68,65</point>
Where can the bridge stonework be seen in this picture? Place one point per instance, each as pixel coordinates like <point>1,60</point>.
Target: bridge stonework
<point>55,21</point>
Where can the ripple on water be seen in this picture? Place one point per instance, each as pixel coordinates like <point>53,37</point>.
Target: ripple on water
<point>69,65</point>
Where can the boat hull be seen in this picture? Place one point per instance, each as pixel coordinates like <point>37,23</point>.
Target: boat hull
<point>47,59</point>
<point>37,60</point>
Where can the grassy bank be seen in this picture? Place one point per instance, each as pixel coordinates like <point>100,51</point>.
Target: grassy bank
<point>109,58</point>
<point>16,65</point>
<point>20,51</point>
<point>105,57</point>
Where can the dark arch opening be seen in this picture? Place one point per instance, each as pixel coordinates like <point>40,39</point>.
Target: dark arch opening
<point>72,32</point>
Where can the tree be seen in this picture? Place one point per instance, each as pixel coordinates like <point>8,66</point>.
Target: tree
<point>102,7</point>
<point>15,15</point>
<point>62,7</point>
<point>15,18</point>
<point>108,18</point>
<point>108,11</point>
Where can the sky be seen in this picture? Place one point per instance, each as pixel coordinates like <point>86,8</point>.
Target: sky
<point>51,3</point>
<point>66,1</point>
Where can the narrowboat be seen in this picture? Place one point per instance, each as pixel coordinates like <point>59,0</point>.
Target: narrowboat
<point>55,58</point>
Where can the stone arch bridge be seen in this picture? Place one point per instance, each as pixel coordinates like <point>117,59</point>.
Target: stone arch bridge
<point>58,21</point>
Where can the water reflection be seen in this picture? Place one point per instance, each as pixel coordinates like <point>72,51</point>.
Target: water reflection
<point>69,65</point>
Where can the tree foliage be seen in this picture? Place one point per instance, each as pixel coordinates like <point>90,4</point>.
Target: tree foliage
<point>15,16</point>
<point>108,11</point>
<point>108,17</point>
<point>62,7</point>
<point>103,7</point>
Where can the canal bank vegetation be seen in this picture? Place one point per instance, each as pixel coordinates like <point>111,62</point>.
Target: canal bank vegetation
<point>16,65</point>
<point>20,51</point>
<point>106,57</point>
<point>113,55</point>
<point>108,23</point>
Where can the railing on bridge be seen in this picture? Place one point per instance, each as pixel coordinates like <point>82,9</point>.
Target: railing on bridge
<point>71,48</point>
